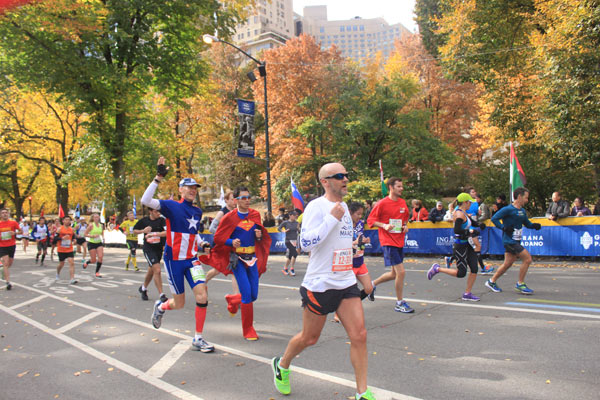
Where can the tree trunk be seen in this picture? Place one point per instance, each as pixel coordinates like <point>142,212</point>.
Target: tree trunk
<point>62,196</point>
<point>597,173</point>
<point>117,150</point>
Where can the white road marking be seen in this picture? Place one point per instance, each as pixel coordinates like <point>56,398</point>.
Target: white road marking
<point>453,304</point>
<point>169,359</point>
<point>167,387</point>
<point>78,322</point>
<point>382,393</point>
<point>34,300</point>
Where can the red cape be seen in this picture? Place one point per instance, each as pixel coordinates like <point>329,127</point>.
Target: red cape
<point>219,254</point>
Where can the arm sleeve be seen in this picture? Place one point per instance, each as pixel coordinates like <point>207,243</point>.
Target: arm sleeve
<point>147,197</point>
<point>214,225</point>
<point>458,229</point>
<point>315,228</point>
<point>527,222</point>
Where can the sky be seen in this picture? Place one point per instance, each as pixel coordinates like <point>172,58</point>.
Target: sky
<point>393,11</point>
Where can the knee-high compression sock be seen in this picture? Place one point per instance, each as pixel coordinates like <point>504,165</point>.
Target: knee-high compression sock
<point>98,265</point>
<point>200,316</point>
<point>480,259</point>
<point>134,261</point>
<point>128,260</point>
<point>43,257</point>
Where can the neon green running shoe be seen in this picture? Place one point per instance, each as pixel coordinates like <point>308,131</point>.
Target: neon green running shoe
<point>281,377</point>
<point>368,395</point>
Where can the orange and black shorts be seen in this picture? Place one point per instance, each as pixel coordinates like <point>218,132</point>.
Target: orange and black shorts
<point>323,303</point>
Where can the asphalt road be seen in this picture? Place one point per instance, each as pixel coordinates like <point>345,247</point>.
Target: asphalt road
<point>94,340</point>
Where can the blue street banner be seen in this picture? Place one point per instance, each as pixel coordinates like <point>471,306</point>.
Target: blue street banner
<point>247,133</point>
<point>572,236</point>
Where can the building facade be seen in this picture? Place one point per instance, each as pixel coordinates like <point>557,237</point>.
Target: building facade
<point>355,38</point>
<point>271,26</point>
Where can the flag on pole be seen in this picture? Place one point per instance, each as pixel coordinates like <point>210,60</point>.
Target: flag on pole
<point>297,197</point>
<point>384,188</point>
<point>102,214</point>
<point>517,176</point>
<point>221,201</point>
<point>61,212</point>
<point>134,207</point>
<point>77,211</point>
<point>42,212</point>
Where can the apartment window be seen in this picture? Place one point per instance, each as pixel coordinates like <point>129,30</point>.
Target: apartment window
<point>256,32</point>
<point>355,28</point>
<point>322,37</point>
<point>362,27</point>
<point>335,36</point>
<point>255,19</point>
<point>322,29</point>
<point>349,28</point>
<point>248,34</point>
<point>242,36</point>
<point>362,35</point>
<point>342,28</point>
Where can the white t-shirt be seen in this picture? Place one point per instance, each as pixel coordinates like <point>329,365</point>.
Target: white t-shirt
<point>330,244</point>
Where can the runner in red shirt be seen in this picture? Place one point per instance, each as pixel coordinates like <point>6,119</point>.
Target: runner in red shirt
<point>390,215</point>
<point>8,244</point>
<point>66,236</point>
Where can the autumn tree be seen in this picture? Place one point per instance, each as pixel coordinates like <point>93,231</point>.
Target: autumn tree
<point>17,181</point>
<point>304,83</point>
<point>105,56</point>
<point>37,128</point>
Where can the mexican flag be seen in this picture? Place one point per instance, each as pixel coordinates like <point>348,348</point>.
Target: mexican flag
<point>517,176</point>
<point>384,188</point>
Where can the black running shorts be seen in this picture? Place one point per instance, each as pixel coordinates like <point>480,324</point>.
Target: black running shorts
<point>323,303</point>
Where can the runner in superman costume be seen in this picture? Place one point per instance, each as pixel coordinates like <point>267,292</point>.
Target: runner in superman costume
<point>241,231</point>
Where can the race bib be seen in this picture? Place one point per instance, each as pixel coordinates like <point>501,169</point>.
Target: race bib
<point>6,235</point>
<point>197,272</point>
<point>131,229</point>
<point>517,234</point>
<point>153,239</point>
<point>396,226</point>
<point>342,260</point>
<point>42,235</point>
<point>65,242</point>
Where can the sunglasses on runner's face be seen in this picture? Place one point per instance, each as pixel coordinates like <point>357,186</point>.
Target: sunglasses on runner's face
<point>339,176</point>
<point>243,197</point>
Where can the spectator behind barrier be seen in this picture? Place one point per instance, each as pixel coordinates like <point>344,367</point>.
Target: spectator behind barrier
<point>484,210</point>
<point>268,220</point>
<point>419,212</point>
<point>500,202</point>
<point>579,209</point>
<point>448,216</point>
<point>558,207</point>
<point>437,213</point>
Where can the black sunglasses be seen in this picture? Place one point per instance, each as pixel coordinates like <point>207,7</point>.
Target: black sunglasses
<point>339,176</point>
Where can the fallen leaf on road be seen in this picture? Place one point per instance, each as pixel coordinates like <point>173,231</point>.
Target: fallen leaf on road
<point>374,353</point>
<point>155,340</point>
<point>142,334</point>
<point>22,374</point>
<point>111,369</point>
<point>551,322</point>
<point>240,364</point>
<point>466,330</point>
<point>421,359</point>
<point>409,353</point>
<point>481,333</point>
<point>36,375</point>
<point>183,382</point>
<point>87,371</point>
<point>77,373</point>
<point>548,381</point>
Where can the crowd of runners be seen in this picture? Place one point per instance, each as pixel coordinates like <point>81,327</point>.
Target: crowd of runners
<point>331,231</point>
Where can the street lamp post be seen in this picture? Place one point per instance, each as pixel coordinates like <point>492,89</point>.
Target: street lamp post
<point>262,69</point>
<point>30,215</point>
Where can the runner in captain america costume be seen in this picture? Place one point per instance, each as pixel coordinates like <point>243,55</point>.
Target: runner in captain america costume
<point>183,238</point>
<point>241,231</point>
